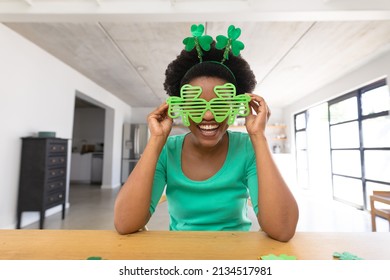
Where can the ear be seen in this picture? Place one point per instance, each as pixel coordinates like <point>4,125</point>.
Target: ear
<point>226,91</point>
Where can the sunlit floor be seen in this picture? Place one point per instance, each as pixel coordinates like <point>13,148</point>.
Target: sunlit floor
<point>92,208</point>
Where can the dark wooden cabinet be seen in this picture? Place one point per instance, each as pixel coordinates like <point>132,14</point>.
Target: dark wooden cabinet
<point>42,182</point>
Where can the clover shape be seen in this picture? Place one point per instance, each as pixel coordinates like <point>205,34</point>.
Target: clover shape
<point>199,41</point>
<point>231,104</point>
<point>187,105</point>
<point>230,42</point>
<point>226,105</point>
<point>346,256</point>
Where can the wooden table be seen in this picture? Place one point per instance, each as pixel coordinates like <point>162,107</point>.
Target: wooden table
<point>166,245</point>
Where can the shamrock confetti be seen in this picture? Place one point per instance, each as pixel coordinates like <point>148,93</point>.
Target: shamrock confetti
<point>94,258</point>
<point>346,256</point>
<point>280,257</point>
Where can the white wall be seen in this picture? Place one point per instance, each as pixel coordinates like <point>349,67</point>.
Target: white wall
<point>37,93</point>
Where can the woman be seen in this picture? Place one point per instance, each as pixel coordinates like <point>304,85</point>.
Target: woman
<point>210,172</point>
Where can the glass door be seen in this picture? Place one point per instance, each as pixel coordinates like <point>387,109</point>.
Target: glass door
<point>346,160</point>
<point>375,129</point>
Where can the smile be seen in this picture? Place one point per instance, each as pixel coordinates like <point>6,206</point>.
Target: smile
<point>208,126</point>
<point>208,129</point>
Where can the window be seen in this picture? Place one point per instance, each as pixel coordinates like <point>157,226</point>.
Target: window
<point>312,148</point>
<point>375,100</point>
<point>301,146</point>
<point>300,121</point>
<point>346,162</point>
<point>344,110</point>
<point>377,163</point>
<point>345,135</point>
<point>358,140</point>
<point>376,132</point>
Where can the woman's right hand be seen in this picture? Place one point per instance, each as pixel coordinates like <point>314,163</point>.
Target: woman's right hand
<point>160,124</point>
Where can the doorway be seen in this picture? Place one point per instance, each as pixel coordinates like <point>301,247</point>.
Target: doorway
<point>96,140</point>
<point>87,143</point>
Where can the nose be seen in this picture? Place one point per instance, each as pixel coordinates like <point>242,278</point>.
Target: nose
<point>208,116</point>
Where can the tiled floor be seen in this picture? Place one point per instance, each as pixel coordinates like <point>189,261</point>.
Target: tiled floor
<point>92,208</point>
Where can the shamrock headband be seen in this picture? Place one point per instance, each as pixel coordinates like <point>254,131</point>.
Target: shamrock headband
<point>226,105</point>
<point>203,42</point>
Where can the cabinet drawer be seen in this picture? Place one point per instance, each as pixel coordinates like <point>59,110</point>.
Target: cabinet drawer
<point>56,160</point>
<point>56,172</point>
<point>57,147</point>
<point>55,198</point>
<point>55,185</point>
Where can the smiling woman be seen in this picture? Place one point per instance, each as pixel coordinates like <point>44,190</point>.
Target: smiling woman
<point>210,173</point>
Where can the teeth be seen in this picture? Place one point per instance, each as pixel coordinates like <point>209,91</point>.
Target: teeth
<point>208,126</point>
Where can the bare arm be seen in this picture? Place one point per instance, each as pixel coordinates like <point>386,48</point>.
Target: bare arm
<point>278,210</point>
<point>131,210</point>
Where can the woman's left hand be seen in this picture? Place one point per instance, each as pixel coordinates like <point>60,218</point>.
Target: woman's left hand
<point>256,121</point>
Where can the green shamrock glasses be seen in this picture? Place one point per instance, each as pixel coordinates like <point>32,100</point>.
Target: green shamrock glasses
<point>226,105</point>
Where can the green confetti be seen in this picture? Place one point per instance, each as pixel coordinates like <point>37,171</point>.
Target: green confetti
<point>94,258</point>
<point>346,256</point>
<point>280,257</point>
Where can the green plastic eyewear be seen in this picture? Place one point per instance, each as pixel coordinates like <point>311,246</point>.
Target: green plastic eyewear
<point>226,105</point>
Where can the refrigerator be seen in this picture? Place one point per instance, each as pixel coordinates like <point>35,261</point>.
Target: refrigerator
<point>135,137</point>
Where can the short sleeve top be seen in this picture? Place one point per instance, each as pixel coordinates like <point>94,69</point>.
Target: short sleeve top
<point>218,203</point>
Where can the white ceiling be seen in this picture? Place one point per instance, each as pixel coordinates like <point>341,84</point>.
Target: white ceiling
<point>293,51</point>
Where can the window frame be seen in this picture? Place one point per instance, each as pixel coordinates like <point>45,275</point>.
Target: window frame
<point>358,93</point>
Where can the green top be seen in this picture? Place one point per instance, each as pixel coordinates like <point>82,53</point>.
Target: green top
<point>218,203</point>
